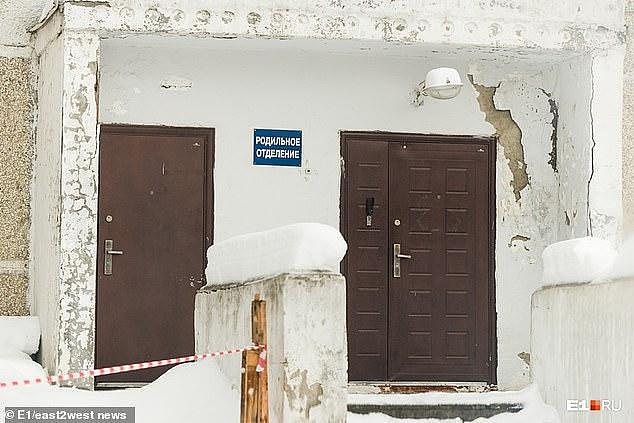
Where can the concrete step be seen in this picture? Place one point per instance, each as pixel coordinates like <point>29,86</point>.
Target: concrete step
<point>467,412</point>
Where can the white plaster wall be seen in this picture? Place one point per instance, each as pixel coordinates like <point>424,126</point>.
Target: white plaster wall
<point>572,87</point>
<point>588,90</point>
<point>581,340</point>
<point>524,227</point>
<point>45,207</point>
<point>303,386</point>
<point>606,185</point>
<point>236,92</point>
<point>322,93</point>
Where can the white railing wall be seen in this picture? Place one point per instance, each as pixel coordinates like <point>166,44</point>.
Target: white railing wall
<point>582,348</point>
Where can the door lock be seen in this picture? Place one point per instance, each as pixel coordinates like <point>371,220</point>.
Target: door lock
<point>397,260</point>
<point>369,210</point>
<point>108,253</point>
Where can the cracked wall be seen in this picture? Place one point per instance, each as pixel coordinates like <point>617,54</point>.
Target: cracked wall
<point>628,123</point>
<point>16,148</point>
<point>527,213</point>
<point>520,110</point>
<point>572,88</point>
<point>131,80</point>
<point>509,136</point>
<point>605,186</point>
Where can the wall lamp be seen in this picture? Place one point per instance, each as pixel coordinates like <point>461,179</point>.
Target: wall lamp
<point>440,83</point>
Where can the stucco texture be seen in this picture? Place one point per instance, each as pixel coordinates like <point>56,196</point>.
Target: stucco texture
<point>13,295</point>
<point>15,174</point>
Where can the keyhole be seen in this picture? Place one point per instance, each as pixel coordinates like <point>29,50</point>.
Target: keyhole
<point>108,218</point>
<point>397,222</point>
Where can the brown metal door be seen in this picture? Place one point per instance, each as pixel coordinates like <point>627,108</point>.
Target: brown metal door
<point>367,261</point>
<point>155,206</point>
<point>430,319</point>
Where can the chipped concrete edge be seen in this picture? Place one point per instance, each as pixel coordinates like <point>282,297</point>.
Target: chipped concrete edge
<point>78,229</point>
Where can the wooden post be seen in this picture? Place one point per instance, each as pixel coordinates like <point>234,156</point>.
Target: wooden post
<point>254,404</point>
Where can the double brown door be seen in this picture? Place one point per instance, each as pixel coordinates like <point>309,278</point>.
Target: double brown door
<point>155,223</point>
<point>419,223</point>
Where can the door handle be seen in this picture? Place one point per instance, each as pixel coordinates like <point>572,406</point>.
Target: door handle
<point>397,260</point>
<point>109,252</point>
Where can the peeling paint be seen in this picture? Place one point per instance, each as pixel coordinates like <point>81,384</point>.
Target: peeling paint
<point>554,109</point>
<point>504,39</point>
<point>78,229</point>
<point>353,19</point>
<point>518,240</point>
<point>509,136</point>
<point>176,84</point>
<point>299,394</point>
<point>574,38</point>
<point>568,218</point>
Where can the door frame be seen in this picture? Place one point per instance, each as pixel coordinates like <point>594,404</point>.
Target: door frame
<point>208,134</point>
<point>399,137</point>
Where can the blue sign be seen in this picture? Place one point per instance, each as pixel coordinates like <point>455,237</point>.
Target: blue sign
<point>277,147</point>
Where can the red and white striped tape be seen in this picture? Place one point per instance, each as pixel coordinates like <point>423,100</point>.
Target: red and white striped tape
<point>261,361</point>
<point>136,366</point>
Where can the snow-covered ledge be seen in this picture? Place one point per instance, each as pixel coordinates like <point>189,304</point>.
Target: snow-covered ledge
<point>306,323</point>
<point>582,340</point>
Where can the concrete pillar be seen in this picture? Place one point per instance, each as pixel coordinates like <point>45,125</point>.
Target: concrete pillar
<point>78,219</point>
<point>306,322</point>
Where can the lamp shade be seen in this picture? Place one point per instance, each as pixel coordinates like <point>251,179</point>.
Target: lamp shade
<point>442,83</point>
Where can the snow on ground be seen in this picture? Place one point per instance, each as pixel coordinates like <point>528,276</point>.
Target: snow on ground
<point>19,337</point>
<point>192,393</point>
<point>534,411</point>
<point>382,418</point>
<point>17,365</point>
<point>577,260</point>
<point>301,247</point>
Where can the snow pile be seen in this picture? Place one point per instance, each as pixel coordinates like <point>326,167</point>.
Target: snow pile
<point>19,333</point>
<point>534,411</point>
<point>193,393</point>
<point>577,260</point>
<point>19,337</point>
<point>624,264</point>
<point>17,365</point>
<point>301,247</point>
